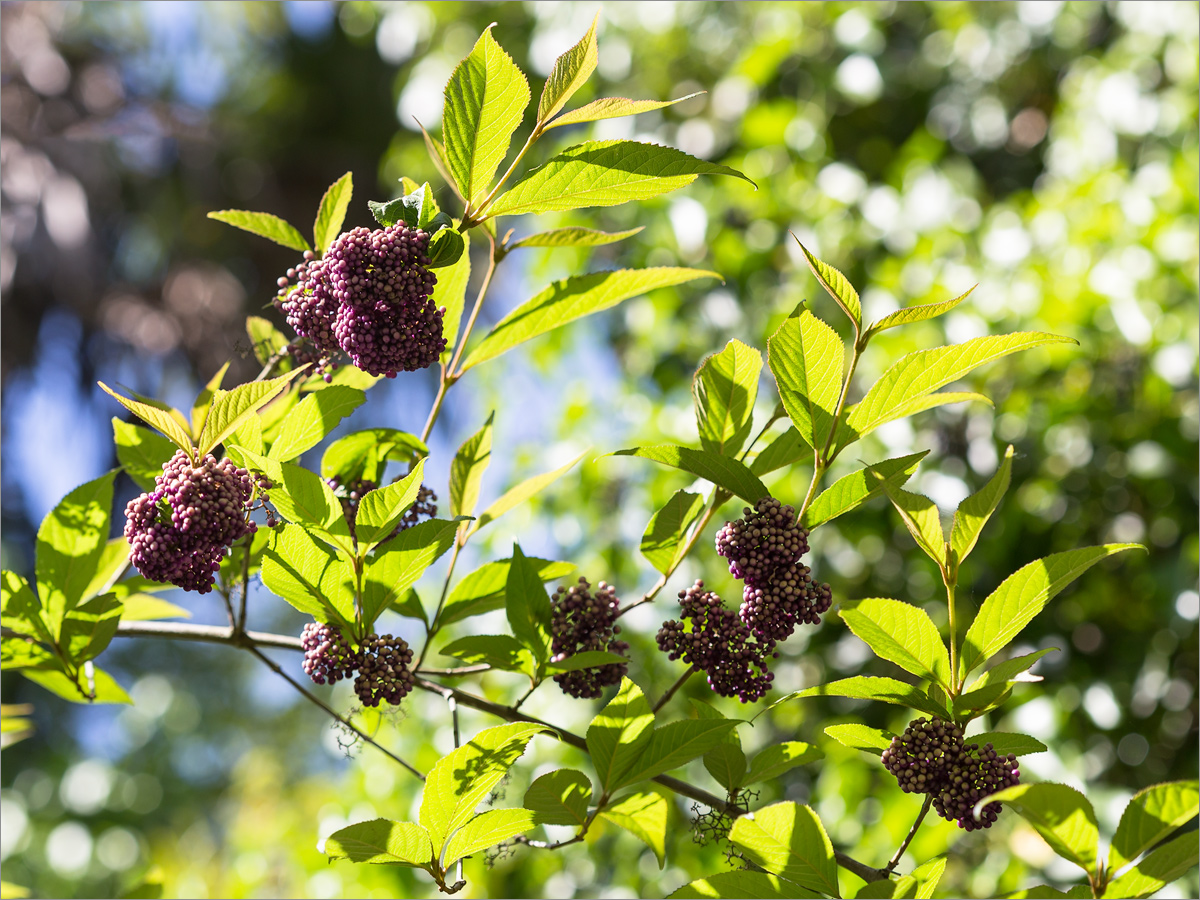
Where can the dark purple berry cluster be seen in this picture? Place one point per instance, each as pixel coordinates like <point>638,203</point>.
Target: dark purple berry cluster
<point>790,598</point>
<point>180,531</point>
<point>720,644</point>
<point>351,493</point>
<point>581,620</point>
<point>383,672</point>
<point>931,757</point>
<point>368,297</point>
<point>327,656</point>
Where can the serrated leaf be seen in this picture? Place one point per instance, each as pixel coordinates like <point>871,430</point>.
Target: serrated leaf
<point>573,236</point>
<point>1010,669</point>
<point>861,737</point>
<point>451,292</point>
<point>725,388</point>
<point>570,299</point>
<point>869,687</point>
<point>332,212</point>
<point>310,420</point>
<point>1060,814</point>
<point>665,532</point>
<point>806,357</point>
<point>726,762</point>
<point>560,797</point>
<point>483,590</point>
<point>264,225</point>
<point>1021,596</point>
<point>467,468</point>
<point>527,606</point>
<point>911,314</point>
<point>487,830</point>
<point>380,510</point>
<point>500,651</point>
<point>70,543</point>
<point>308,575</point>
<point>485,100</point>
<point>618,735</point>
<point>644,815</point>
<point>517,495</point>
<point>89,627</point>
<point>922,519</point>
<point>230,408</point>
<point>114,559</point>
<point>381,841</point>
<point>1151,815</point>
<point>837,286</point>
<point>740,883</point>
<point>204,399</point>
<point>975,703</point>
<point>265,338</point>
<point>614,108</point>
<point>1005,743</point>
<point>902,634</point>
<point>973,513</point>
<point>141,452</point>
<point>604,173</point>
<point>774,760</point>
<point>1160,867</point>
<point>364,454</point>
<point>928,874</point>
<point>853,490</point>
<point>784,450</point>
<point>571,70</point>
<point>100,685</point>
<point>673,745</point>
<point>169,422</point>
<point>723,471</point>
<point>400,562</point>
<point>22,610</point>
<point>789,840</point>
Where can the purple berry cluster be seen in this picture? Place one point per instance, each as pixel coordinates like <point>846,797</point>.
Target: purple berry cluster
<point>351,493</point>
<point>327,656</point>
<point>382,662</point>
<point>580,621</point>
<point>931,757</point>
<point>720,644</point>
<point>180,531</point>
<point>368,297</point>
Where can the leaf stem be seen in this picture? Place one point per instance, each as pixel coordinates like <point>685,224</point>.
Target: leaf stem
<point>822,459</point>
<point>435,626</point>
<point>481,214</point>
<point>955,685</point>
<point>912,833</point>
<point>662,701</point>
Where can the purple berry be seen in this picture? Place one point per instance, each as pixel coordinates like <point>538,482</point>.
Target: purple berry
<point>580,621</point>
<point>790,598</point>
<point>327,656</point>
<point>383,670</point>
<point>768,538</point>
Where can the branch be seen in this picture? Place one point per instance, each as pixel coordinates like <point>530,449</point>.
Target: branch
<point>662,701</point>
<point>912,833</point>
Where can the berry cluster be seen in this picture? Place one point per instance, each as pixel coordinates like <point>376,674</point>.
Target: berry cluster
<point>351,494</point>
<point>382,662</point>
<point>582,621</point>
<point>791,597</point>
<point>327,656</point>
<point>180,531</point>
<point>368,297</point>
<point>720,644</point>
<point>931,757</point>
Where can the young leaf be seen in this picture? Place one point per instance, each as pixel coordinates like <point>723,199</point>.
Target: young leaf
<point>773,761</point>
<point>922,519</point>
<point>520,493</point>
<point>466,471</point>
<point>70,544</point>
<point>614,108</point>
<point>837,286</point>
<point>265,338</point>
<point>1022,595</point>
<point>1160,867</point>
<point>308,575</point>
<point>398,564</point>
<point>89,627</point>
<point>573,236</point>
<point>1010,670</point>
<point>381,510</point>
<point>364,454</point>
<point>451,292</point>
<point>928,874</point>
<point>169,422</point>
<point>861,737</point>
<point>723,471</point>
<point>230,408</point>
<point>619,734</point>
<point>789,840</point>
<point>664,534</point>
<point>853,490</point>
<point>310,420</point>
<point>500,651</point>
<point>204,400</point>
<point>263,224</point>
<point>973,513</point>
<point>869,687</point>
<point>911,314</point>
<point>528,606</point>
<point>446,247</point>
<point>332,212</point>
<point>786,449</point>
<point>740,883</point>
<point>604,173</point>
<point>487,830</point>
<point>725,388</point>
<point>673,745</point>
<point>1061,815</point>
<point>1004,743</point>
<point>560,797</point>
<point>141,452</point>
<point>570,299</point>
<point>484,589</point>
<point>381,841</point>
<point>571,70</point>
<point>806,357</point>
<point>486,98</point>
<point>1151,815</point>
<point>902,634</point>
<point>644,815</point>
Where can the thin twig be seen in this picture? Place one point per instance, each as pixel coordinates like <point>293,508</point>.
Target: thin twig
<point>912,833</point>
<point>241,622</point>
<point>662,701</point>
<point>459,671</point>
<point>525,696</point>
<point>719,498</point>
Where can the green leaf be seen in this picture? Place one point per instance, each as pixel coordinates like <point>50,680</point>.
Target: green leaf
<point>571,70</point>
<point>619,734</point>
<point>723,471</point>
<point>644,815</point>
<point>332,212</point>
<point>585,659</point>
<point>70,544</point>
<point>302,497</point>
<point>168,421</point>
<point>460,780</point>
<point>446,247</point>
<point>517,495</point>
<point>380,510</point>
<point>488,830</point>
<point>973,513</point>
<point>911,314</point>
<point>100,687</point>
<point>230,408</point>
<point>928,874</point>
<point>1060,814</point>
<point>673,745</point>
<point>923,372</point>
<point>141,452</point>
<point>265,338</point>
<point>905,886</point>
<point>400,562</point>
<point>308,575</point>
<point>1045,892</point>
<point>789,840</point>
<point>615,108</point>
<point>861,737</point>
<point>89,627</point>
<point>1160,867</point>
<point>1152,815</point>
<point>773,761</point>
<point>381,841</point>
<point>310,420</point>
<point>837,286</point>
<point>22,611</point>
<point>806,356</point>
<point>573,236</point>
<point>263,224</point>
<point>725,388</point>
<point>922,519</point>
<point>726,762</point>
<point>451,292</point>
<point>1022,595</point>
<point>1005,743</point>
<point>570,299</point>
<point>114,559</point>
<point>786,449</point>
<point>902,634</point>
<point>500,651</point>
<point>204,400</point>
<point>527,606</point>
<point>975,703</point>
<point>604,173</point>
<point>409,604</point>
<point>466,471</point>
<point>145,607</point>
<point>869,687</point>
<point>664,535</point>
<point>560,797</point>
<point>1010,669</point>
<point>741,883</point>
<point>484,589</point>
<point>486,98</point>
<point>364,454</point>
<point>853,490</point>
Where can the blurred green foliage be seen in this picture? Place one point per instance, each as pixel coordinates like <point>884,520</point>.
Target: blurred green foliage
<point>1044,151</point>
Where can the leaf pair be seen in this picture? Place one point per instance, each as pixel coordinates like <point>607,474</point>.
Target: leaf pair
<point>726,762</point>
<point>330,215</point>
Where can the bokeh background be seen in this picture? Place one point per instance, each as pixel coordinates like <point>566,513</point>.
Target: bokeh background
<point>1044,150</point>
